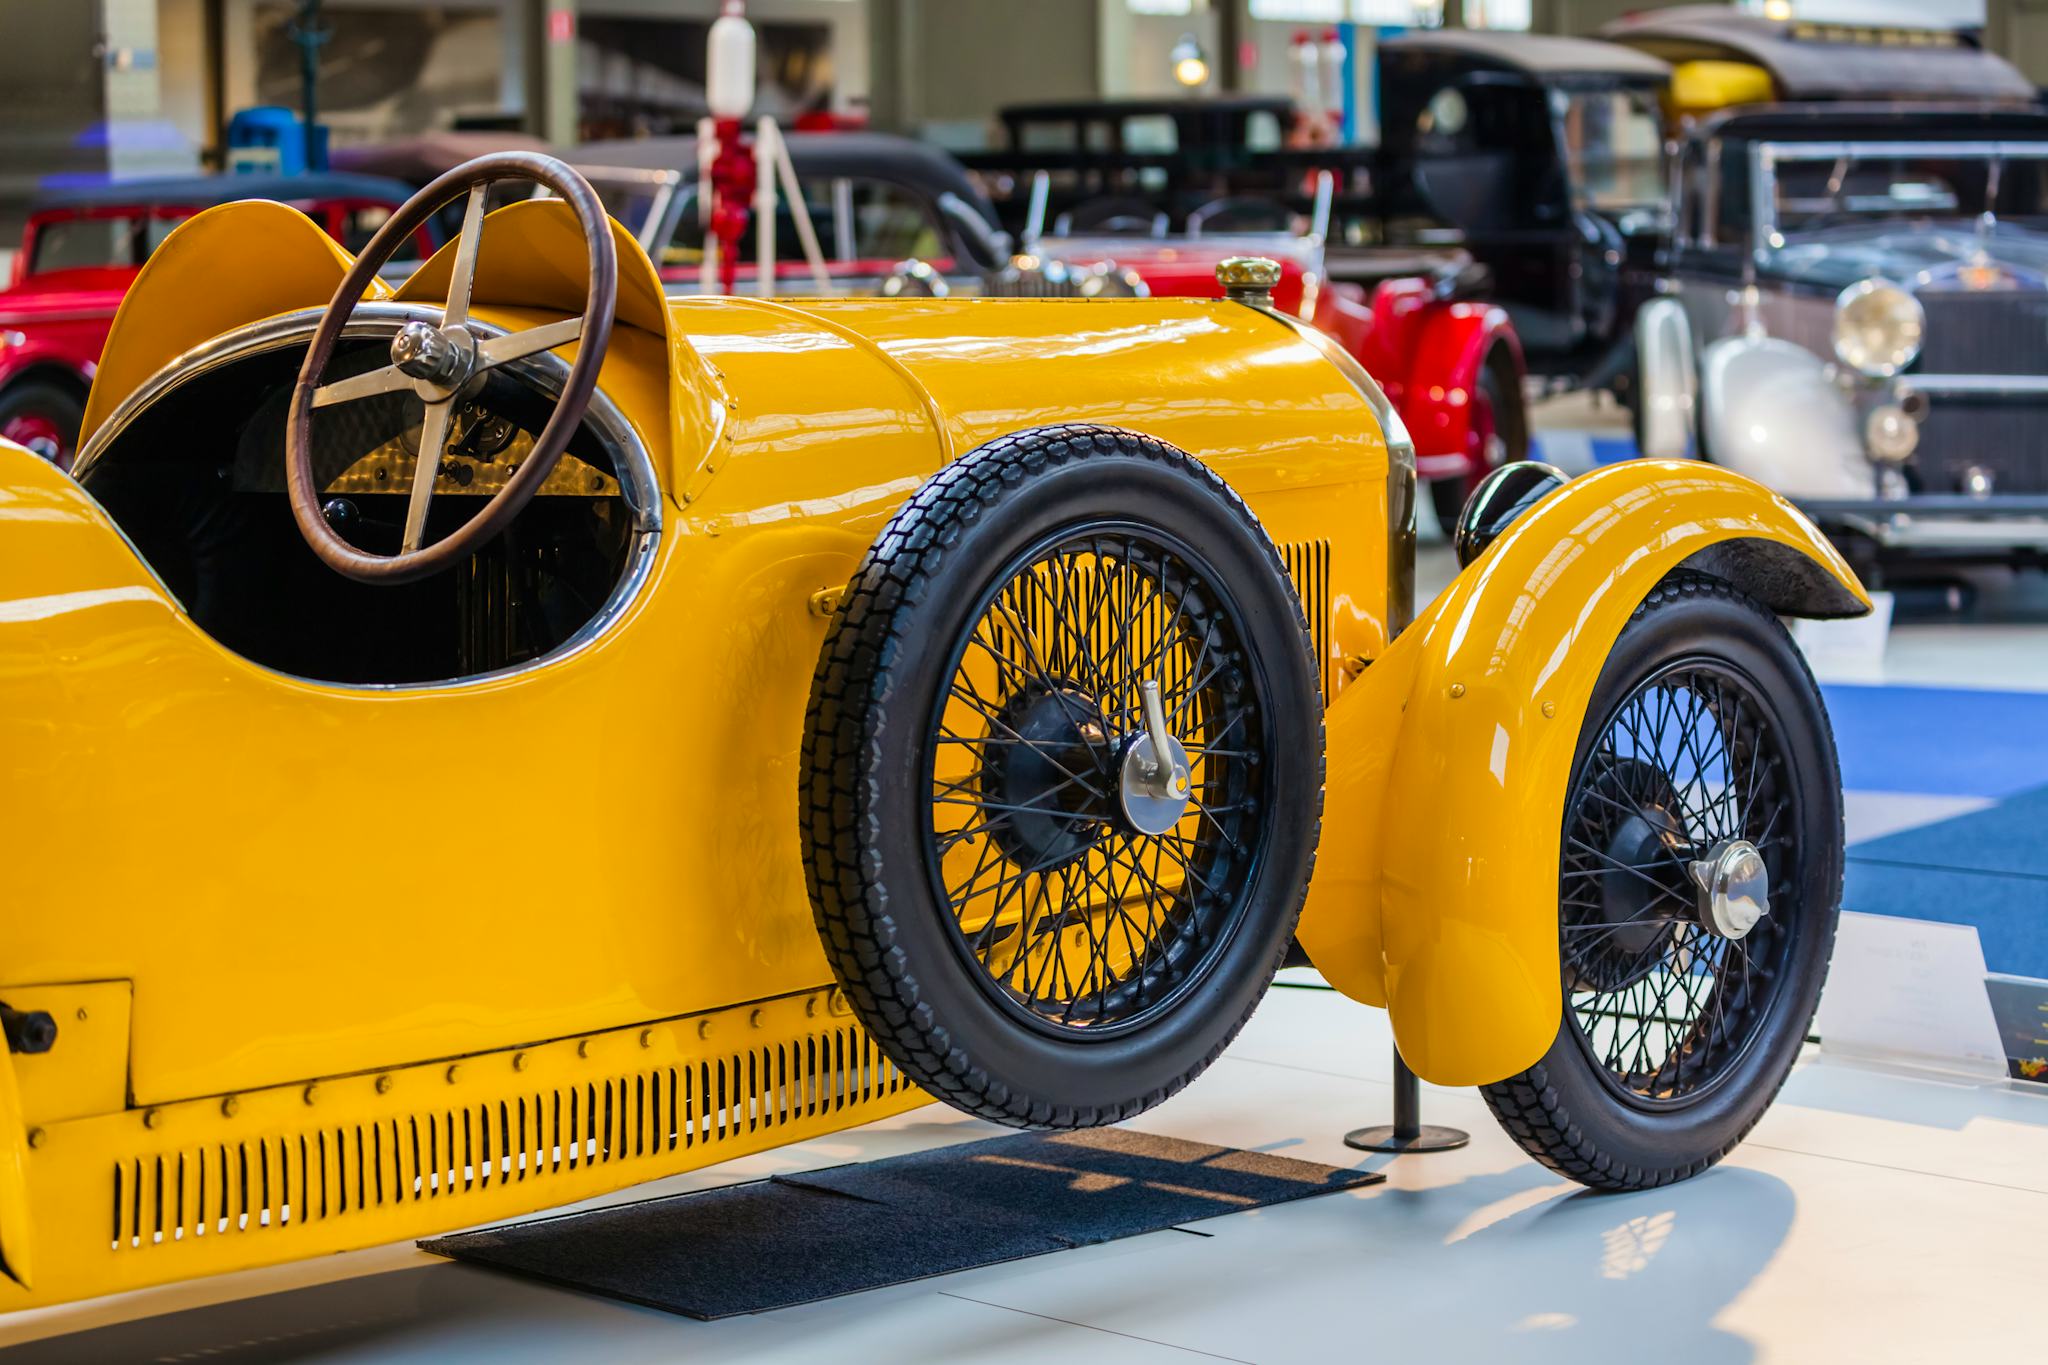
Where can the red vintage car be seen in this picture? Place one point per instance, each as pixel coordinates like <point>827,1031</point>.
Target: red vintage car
<point>1133,196</point>
<point>82,249</point>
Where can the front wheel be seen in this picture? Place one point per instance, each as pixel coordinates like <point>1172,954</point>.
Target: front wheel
<point>1062,777</point>
<point>43,416</point>
<point>1700,882</point>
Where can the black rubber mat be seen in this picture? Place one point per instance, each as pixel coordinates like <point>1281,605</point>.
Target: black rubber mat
<point>799,1238</point>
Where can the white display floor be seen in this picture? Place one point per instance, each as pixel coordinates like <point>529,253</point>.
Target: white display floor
<point>1872,1217</point>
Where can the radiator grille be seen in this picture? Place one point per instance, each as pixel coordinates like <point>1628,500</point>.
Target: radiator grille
<point>316,1174</point>
<point>2006,436</point>
<point>1308,564</point>
<point>1984,332</point>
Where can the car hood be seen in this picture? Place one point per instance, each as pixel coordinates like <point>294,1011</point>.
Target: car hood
<point>66,292</point>
<point>1931,256</point>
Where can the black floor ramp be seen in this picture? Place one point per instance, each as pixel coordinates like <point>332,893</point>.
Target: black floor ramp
<point>800,1238</point>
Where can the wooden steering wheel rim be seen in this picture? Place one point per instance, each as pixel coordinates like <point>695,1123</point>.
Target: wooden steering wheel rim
<point>595,334</point>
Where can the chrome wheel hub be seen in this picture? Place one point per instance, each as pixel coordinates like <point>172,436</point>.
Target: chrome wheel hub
<point>1154,785</point>
<point>1734,888</point>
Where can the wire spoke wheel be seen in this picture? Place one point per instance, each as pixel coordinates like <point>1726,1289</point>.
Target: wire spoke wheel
<point>1063,776</point>
<point>1699,882</point>
<point>1081,912</point>
<point>1688,763</point>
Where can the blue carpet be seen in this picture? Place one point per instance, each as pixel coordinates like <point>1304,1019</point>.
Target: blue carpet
<point>1941,741</point>
<point>1989,869</point>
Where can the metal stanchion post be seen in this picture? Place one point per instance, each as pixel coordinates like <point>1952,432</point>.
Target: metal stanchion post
<point>1407,1133</point>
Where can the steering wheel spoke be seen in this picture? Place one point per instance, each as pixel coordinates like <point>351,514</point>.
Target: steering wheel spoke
<point>518,345</point>
<point>438,360</point>
<point>462,279</point>
<point>433,444</point>
<point>390,379</point>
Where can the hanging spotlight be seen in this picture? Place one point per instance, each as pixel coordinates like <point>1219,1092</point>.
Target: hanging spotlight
<point>1190,63</point>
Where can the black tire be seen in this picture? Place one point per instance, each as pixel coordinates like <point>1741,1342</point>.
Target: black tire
<point>888,674</point>
<point>1498,388</point>
<point>1625,1127</point>
<point>51,406</point>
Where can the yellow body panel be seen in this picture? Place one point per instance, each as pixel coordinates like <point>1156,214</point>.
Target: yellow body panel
<point>610,835</point>
<point>366,930</point>
<point>1490,687</point>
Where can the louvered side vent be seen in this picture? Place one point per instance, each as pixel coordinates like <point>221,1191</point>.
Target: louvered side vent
<point>320,1173</point>
<point>1308,564</point>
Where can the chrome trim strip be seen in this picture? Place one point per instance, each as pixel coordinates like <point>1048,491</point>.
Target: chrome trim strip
<point>1401,490</point>
<point>547,371</point>
<point>1982,384</point>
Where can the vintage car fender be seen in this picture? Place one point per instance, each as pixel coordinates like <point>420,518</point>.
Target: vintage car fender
<point>1453,922</point>
<point>1668,399</point>
<point>1771,411</point>
<point>1453,340</point>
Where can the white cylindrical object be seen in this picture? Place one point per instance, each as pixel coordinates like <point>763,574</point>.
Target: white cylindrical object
<point>729,66</point>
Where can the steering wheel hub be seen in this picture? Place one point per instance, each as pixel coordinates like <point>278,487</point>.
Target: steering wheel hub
<point>437,356</point>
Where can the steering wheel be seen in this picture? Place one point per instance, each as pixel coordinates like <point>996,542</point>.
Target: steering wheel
<point>439,363</point>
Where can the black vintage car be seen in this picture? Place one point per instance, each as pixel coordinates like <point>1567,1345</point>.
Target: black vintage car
<point>888,213</point>
<point>1543,158</point>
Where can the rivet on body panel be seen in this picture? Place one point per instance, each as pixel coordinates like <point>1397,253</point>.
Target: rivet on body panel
<point>583,1047</point>
<point>647,1037</point>
<point>519,1061</point>
<point>754,1019</point>
<point>454,1072</point>
<point>703,1028</point>
<point>37,1137</point>
<point>230,1106</point>
<point>839,1003</point>
<point>384,1084</point>
<point>1549,708</point>
<point>1457,691</point>
<point>153,1118</point>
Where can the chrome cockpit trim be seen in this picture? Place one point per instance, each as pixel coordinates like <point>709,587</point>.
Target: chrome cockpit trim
<point>638,485</point>
<point>546,371</point>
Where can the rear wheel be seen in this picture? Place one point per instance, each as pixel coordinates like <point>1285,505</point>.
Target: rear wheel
<point>1036,918</point>
<point>1699,889</point>
<point>43,416</point>
<point>1499,435</point>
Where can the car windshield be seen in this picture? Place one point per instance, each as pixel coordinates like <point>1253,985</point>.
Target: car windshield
<point>98,239</point>
<point>1853,185</point>
<point>1614,145</point>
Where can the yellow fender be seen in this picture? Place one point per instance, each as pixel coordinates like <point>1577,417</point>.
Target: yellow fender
<point>1459,742</point>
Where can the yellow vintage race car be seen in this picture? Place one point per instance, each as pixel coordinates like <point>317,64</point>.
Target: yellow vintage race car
<point>479,744</point>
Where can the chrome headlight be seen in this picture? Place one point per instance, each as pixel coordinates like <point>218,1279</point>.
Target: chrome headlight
<point>1106,280</point>
<point>914,279</point>
<point>1877,328</point>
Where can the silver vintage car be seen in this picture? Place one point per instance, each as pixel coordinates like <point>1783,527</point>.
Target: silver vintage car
<point>1856,314</point>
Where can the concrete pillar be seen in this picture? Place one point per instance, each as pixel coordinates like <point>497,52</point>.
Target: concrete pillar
<point>895,86</point>
<point>553,108</point>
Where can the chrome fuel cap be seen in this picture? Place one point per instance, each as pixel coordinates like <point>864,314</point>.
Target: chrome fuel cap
<point>1734,888</point>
